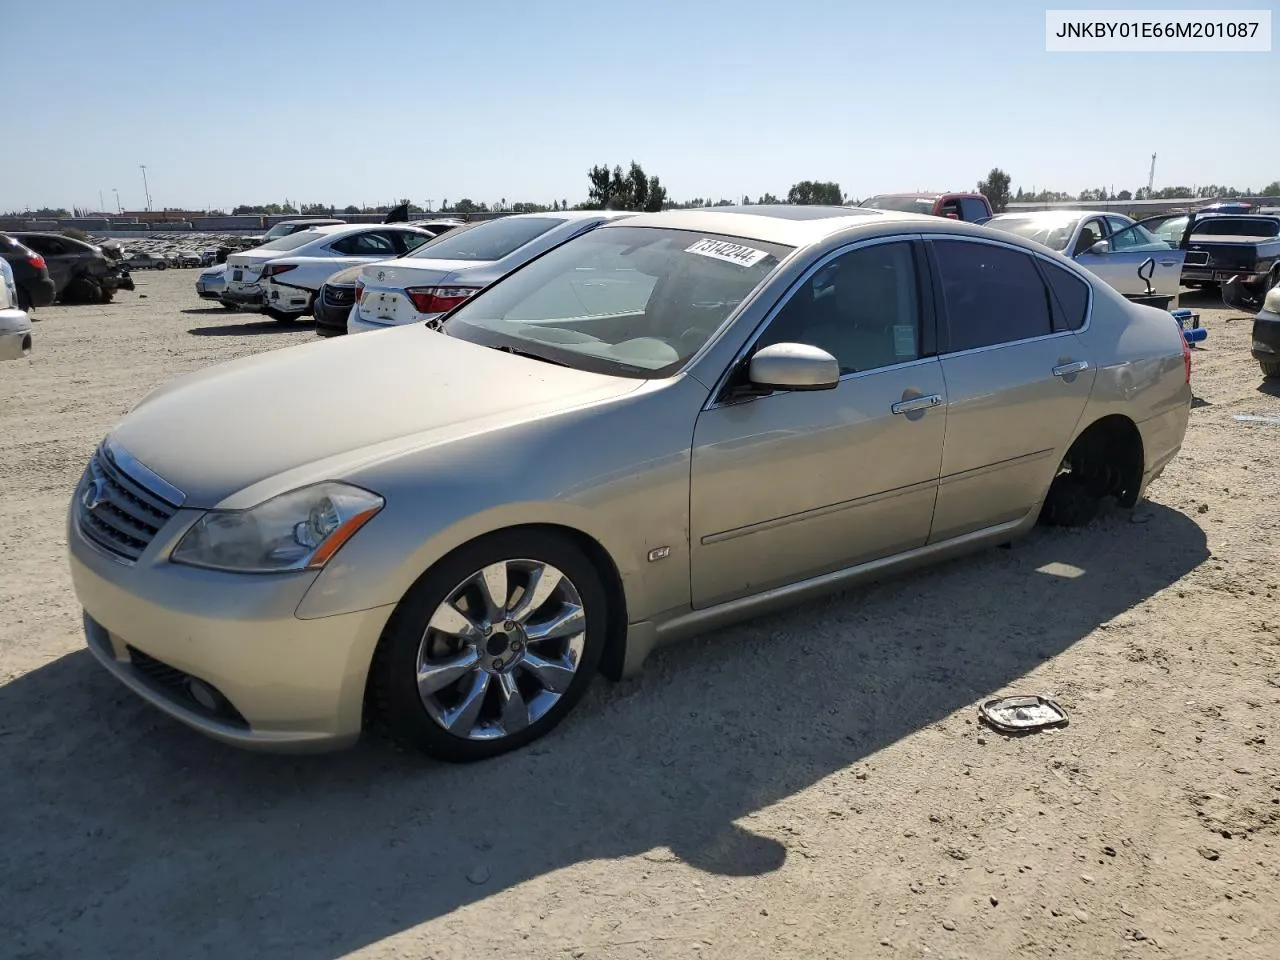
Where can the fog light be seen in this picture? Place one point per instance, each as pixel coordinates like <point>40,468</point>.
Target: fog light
<point>202,694</point>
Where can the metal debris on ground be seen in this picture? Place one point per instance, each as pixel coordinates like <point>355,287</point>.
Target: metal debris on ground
<point>1254,418</point>
<point>1022,714</point>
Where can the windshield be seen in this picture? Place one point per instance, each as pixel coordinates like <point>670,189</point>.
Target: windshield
<point>901,204</point>
<point>627,301</point>
<point>1054,232</point>
<point>293,241</point>
<point>1170,230</point>
<point>1236,227</point>
<point>488,241</point>
<point>280,230</point>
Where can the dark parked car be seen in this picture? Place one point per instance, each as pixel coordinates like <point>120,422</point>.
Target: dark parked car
<point>30,274</point>
<point>1220,248</point>
<point>81,272</point>
<point>973,207</point>
<point>334,302</point>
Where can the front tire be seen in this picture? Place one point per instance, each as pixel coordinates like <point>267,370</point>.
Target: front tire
<point>492,647</point>
<point>1270,369</point>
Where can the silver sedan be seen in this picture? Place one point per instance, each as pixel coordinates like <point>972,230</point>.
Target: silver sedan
<point>1108,244</point>
<point>665,424</point>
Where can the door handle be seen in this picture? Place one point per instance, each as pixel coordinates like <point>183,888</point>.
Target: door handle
<point>1067,369</point>
<point>916,403</point>
<point>1167,263</point>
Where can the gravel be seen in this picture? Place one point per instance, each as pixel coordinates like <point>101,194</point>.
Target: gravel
<point>746,797</point>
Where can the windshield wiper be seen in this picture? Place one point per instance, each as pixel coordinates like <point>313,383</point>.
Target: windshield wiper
<point>531,356</point>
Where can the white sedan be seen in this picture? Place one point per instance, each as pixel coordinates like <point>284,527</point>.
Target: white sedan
<point>281,278</point>
<point>430,282</point>
<point>15,325</point>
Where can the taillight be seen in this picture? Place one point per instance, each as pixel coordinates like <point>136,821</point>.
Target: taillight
<point>438,299</point>
<point>359,290</point>
<point>275,269</point>
<point>1186,357</point>
<point>37,261</point>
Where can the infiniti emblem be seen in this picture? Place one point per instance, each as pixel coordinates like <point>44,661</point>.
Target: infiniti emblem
<point>93,494</point>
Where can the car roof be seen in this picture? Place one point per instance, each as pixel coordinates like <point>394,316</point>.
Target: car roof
<point>794,225</point>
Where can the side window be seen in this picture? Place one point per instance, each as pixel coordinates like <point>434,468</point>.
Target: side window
<point>407,241</point>
<point>863,308</point>
<point>1136,239</point>
<point>1070,297</point>
<point>993,294</point>
<point>365,245</point>
<point>1118,223</point>
<point>973,209</point>
<point>45,246</point>
<point>1092,231</point>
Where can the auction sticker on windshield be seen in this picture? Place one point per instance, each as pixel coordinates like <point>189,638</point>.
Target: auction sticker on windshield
<point>728,252</point>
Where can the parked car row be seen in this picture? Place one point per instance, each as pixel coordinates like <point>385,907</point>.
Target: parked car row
<point>282,277</point>
<point>658,424</point>
<point>53,266</point>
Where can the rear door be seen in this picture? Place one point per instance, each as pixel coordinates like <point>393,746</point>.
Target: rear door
<point>1017,380</point>
<point>58,255</point>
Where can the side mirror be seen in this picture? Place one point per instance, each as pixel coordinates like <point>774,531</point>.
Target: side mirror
<point>794,366</point>
<point>1101,247</point>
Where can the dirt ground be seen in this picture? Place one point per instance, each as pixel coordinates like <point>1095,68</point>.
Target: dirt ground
<point>813,784</point>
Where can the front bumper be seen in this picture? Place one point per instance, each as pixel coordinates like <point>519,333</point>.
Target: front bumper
<point>1266,337</point>
<point>331,320</point>
<point>281,683</point>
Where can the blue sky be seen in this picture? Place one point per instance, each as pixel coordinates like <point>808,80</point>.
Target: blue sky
<point>338,102</point>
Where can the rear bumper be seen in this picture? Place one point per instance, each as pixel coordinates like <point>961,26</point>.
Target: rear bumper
<point>15,335</point>
<point>1218,275</point>
<point>242,297</point>
<point>41,290</point>
<point>286,299</point>
<point>1266,337</point>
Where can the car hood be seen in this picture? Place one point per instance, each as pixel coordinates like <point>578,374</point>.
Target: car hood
<point>236,433</point>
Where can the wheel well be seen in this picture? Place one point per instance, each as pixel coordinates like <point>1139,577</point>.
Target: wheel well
<point>611,662</point>
<point>1109,455</point>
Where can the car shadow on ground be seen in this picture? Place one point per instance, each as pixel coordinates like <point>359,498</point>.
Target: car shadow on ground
<point>252,328</point>
<point>205,311</point>
<point>131,836</point>
<point>1270,387</point>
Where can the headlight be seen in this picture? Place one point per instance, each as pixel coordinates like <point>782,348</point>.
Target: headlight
<point>299,530</point>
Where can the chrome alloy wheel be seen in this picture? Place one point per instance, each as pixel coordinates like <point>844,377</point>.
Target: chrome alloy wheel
<point>501,649</point>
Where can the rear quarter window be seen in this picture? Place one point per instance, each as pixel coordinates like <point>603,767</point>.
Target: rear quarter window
<point>1070,297</point>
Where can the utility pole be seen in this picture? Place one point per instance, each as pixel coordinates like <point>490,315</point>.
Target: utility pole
<point>102,207</point>
<point>145,189</point>
<point>116,191</point>
<point>1151,177</point>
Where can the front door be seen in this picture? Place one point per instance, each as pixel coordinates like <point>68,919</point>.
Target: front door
<point>794,485</point>
<point>1017,380</point>
<point>1127,250</point>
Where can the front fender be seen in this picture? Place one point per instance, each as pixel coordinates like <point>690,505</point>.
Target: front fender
<point>617,473</point>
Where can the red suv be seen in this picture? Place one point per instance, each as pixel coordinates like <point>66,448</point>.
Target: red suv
<point>958,206</point>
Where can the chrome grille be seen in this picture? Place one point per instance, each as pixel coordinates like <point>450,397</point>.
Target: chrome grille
<point>339,296</point>
<point>116,510</point>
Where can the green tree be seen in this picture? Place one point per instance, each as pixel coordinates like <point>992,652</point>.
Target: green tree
<point>768,198</point>
<point>814,191</point>
<point>615,190</point>
<point>1124,195</point>
<point>466,205</point>
<point>996,189</point>
<point>1272,189</point>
